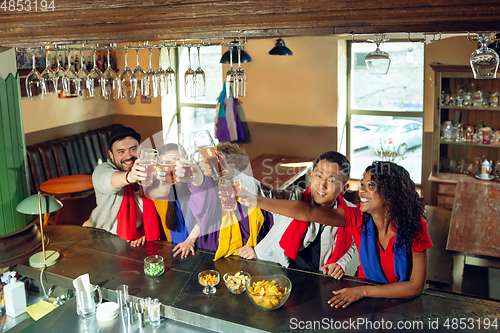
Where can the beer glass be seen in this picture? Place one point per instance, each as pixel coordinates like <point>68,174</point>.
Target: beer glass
<point>148,159</point>
<point>187,149</point>
<point>227,188</point>
<point>207,149</point>
<point>166,164</point>
<point>85,301</point>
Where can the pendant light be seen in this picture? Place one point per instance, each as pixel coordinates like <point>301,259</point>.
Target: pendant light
<point>245,57</point>
<point>280,49</point>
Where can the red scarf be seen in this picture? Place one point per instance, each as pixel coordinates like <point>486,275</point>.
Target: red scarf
<point>126,227</point>
<point>294,234</point>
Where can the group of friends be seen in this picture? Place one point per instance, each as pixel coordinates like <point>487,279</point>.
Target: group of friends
<point>313,229</point>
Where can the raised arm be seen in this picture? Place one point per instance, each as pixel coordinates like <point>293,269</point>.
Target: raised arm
<point>405,289</point>
<point>303,211</point>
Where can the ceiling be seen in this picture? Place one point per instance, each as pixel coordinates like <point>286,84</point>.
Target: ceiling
<point>107,21</point>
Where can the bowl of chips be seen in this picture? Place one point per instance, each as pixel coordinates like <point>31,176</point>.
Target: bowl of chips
<point>236,281</point>
<point>269,292</point>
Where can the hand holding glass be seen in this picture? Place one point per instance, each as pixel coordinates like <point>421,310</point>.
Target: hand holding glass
<point>148,160</point>
<point>166,164</point>
<point>207,149</point>
<point>229,189</point>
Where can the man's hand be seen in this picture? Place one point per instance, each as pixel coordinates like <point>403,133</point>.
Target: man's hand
<point>334,270</point>
<point>136,173</point>
<point>138,241</point>
<point>247,252</point>
<point>185,248</point>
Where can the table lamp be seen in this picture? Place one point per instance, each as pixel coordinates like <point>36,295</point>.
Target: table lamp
<point>41,204</point>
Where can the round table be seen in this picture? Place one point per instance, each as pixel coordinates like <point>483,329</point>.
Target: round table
<point>67,185</point>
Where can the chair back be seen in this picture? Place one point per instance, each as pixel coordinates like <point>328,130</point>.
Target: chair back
<point>76,210</point>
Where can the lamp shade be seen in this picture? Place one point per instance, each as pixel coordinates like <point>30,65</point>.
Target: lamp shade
<point>245,57</point>
<point>280,49</point>
<point>30,204</point>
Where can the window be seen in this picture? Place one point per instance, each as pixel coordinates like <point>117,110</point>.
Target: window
<point>385,113</point>
<point>186,114</point>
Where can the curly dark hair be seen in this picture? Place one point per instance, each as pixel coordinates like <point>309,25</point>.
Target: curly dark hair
<point>401,201</point>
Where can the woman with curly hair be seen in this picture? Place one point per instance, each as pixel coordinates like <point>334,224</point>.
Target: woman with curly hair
<point>388,227</point>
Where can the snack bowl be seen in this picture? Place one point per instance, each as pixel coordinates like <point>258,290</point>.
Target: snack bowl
<point>154,265</point>
<point>236,281</point>
<point>269,292</point>
<point>209,279</point>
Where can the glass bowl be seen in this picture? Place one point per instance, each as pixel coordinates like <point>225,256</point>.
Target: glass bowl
<point>236,281</point>
<point>154,265</point>
<point>269,302</point>
<point>209,283</point>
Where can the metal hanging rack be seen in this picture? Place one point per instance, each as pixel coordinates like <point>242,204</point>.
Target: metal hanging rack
<point>173,43</point>
<point>381,37</point>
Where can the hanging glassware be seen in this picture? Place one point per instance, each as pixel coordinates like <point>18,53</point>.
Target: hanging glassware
<point>34,82</point>
<point>48,77</point>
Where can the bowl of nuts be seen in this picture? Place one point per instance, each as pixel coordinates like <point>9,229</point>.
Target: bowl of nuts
<point>269,292</point>
<point>236,281</point>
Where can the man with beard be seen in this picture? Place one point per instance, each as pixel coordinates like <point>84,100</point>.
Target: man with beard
<point>122,208</point>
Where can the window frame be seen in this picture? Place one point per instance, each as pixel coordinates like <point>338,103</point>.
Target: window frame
<point>365,112</point>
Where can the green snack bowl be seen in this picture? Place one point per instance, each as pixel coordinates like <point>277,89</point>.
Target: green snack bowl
<point>154,266</point>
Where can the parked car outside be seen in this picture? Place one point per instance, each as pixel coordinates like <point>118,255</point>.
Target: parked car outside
<point>361,135</point>
<point>395,133</point>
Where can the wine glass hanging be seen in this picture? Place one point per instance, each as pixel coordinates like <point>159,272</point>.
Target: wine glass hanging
<point>77,78</point>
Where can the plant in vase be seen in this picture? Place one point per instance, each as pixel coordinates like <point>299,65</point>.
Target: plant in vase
<point>388,151</point>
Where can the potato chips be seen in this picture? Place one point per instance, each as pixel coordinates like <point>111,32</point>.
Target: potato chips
<point>268,289</point>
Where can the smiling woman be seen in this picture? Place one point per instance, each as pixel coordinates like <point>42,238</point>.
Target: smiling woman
<point>388,228</point>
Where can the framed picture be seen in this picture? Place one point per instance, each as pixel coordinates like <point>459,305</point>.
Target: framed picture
<point>24,59</point>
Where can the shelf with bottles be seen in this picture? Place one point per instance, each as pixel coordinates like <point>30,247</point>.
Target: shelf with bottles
<point>492,145</point>
<point>471,107</point>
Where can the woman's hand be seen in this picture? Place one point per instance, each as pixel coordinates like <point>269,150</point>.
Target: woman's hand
<point>345,297</point>
<point>246,198</point>
<point>185,248</point>
<point>247,252</point>
<point>209,171</point>
<point>137,242</point>
<point>180,172</point>
<point>334,270</point>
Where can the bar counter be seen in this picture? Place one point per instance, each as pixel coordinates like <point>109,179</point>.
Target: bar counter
<point>111,262</point>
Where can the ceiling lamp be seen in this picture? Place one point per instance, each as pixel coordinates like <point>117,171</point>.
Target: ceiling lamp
<point>245,57</point>
<point>378,62</point>
<point>280,49</point>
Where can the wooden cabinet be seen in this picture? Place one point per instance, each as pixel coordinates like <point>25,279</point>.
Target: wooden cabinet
<point>452,160</point>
